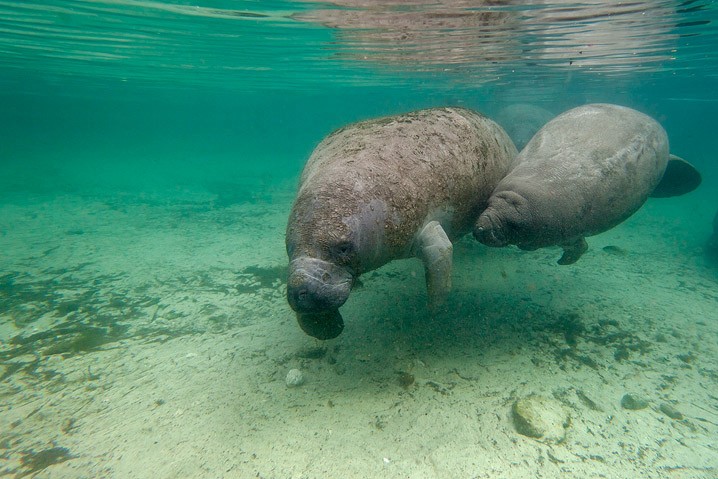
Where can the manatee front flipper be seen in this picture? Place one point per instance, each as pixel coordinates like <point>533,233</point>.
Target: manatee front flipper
<point>573,251</point>
<point>324,325</point>
<point>679,178</point>
<point>435,251</point>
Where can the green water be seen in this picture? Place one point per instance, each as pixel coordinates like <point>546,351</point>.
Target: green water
<point>130,91</point>
<point>149,153</point>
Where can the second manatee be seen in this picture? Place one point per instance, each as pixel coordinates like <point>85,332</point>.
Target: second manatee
<point>584,172</point>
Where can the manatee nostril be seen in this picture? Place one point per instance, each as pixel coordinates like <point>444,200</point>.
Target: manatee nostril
<point>326,277</point>
<point>299,297</point>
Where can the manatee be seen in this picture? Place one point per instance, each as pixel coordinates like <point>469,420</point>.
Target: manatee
<point>583,173</point>
<point>385,189</point>
<point>522,120</point>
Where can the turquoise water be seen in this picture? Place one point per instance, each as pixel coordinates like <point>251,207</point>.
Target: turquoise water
<point>148,158</point>
<point>168,83</point>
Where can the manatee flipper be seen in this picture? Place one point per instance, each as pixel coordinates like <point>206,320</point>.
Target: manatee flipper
<point>573,251</point>
<point>679,178</point>
<point>435,251</point>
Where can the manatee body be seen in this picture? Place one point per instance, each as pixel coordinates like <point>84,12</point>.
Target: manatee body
<point>384,189</point>
<point>583,173</point>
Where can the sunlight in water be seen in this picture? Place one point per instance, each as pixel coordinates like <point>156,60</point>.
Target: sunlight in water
<point>297,44</point>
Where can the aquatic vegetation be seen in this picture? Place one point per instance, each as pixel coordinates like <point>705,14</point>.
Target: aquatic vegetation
<point>62,339</point>
<point>76,317</point>
<point>34,462</point>
<point>577,336</point>
<point>254,278</point>
<point>568,324</point>
<point>24,300</point>
<point>72,311</point>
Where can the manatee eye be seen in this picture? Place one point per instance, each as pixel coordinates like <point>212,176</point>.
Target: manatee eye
<point>343,251</point>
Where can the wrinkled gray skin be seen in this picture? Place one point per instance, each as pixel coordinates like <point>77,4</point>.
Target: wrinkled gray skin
<point>583,173</point>
<point>385,189</point>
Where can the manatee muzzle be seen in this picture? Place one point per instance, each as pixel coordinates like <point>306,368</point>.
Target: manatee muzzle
<point>489,232</point>
<point>317,286</point>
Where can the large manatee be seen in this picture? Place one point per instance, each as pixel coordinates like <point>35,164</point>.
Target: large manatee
<point>384,189</point>
<point>583,173</point>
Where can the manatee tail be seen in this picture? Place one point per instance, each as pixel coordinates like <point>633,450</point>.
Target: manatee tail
<point>679,178</point>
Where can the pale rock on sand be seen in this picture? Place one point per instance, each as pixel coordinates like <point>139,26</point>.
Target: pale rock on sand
<point>541,418</point>
<point>295,378</point>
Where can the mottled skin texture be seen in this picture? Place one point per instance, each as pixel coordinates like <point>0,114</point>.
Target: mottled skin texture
<point>386,189</point>
<point>583,173</point>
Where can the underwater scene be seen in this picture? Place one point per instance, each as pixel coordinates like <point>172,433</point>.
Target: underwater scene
<point>500,262</point>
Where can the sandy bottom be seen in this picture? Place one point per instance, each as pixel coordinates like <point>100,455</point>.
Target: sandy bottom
<point>143,337</point>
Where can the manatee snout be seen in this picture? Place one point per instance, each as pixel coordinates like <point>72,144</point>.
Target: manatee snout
<point>315,285</point>
<point>315,290</point>
<point>489,230</point>
<point>504,221</point>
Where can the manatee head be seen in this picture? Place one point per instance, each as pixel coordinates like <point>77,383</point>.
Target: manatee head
<point>317,287</point>
<point>329,245</point>
<point>505,221</point>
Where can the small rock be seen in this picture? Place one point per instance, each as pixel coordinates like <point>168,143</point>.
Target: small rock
<point>541,418</point>
<point>670,411</point>
<point>294,378</point>
<point>614,250</point>
<point>633,402</point>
